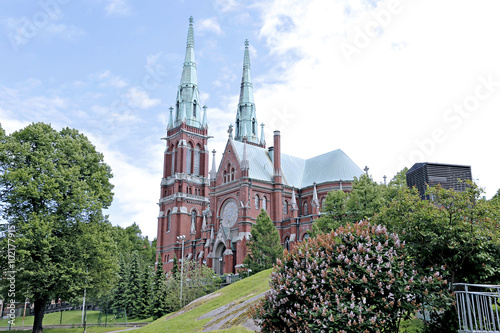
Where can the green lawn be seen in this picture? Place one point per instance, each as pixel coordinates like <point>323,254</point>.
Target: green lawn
<point>187,322</point>
<point>70,318</point>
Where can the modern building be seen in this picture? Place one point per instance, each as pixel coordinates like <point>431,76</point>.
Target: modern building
<point>447,175</point>
<point>215,211</point>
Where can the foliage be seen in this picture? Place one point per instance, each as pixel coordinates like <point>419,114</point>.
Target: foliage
<point>130,240</point>
<point>455,229</point>
<point>264,246</point>
<point>159,305</point>
<point>397,183</point>
<point>358,278</point>
<point>53,188</point>
<point>334,213</point>
<point>118,300</point>
<point>365,199</point>
<point>133,287</point>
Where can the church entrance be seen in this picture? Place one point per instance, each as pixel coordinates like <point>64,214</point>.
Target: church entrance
<point>219,259</point>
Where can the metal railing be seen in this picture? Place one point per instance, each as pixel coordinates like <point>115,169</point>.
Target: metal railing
<point>478,307</point>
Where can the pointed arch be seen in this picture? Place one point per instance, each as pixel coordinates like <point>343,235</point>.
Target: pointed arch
<point>196,162</point>
<point>194,109</point>
<point>257,201</point>
<point>189,157</point>
<point>254,130</point>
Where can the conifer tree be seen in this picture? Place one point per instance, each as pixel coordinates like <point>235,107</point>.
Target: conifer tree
<point>133,288</point>
<point>159,292</point>
<point>118,299</point>
<point>145,293</point>
<point>175,269</point>
<point>264,245</point>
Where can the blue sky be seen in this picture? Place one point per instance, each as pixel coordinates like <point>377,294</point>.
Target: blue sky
<point>390,82</point>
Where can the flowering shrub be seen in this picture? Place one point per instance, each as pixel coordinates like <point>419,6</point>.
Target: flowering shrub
<point>355,279</point>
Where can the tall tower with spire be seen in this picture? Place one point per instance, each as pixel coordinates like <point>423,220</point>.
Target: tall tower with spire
<point>247,126</point>
<point>184,188</point>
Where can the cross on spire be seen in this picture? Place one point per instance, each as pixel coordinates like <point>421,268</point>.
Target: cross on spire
<point>366,170</point>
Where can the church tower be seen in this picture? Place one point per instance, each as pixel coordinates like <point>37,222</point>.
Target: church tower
<point>184,197</point>
<point>246,119</point>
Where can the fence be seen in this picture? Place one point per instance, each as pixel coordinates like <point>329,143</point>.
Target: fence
<point>478,307</point>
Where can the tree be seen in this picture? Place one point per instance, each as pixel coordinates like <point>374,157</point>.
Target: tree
<point>119,293</point>
<point>358,278</point>
<point>365,199</point>
<point>397,183</point>
<point>160,288</point>
<point>334,213</point>
<point>264,246</point>
<point>175,267</point>
<point>133,288</point>
<point>456,229</point>
<point>53,187</point>
<point>145,293</point>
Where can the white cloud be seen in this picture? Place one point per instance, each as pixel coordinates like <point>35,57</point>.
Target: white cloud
<point>137,97</point>
<point>209,24</point>
<point>120,8</point>
<point>107,79</point>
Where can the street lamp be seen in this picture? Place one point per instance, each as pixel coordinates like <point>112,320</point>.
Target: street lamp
<point>180,240</point>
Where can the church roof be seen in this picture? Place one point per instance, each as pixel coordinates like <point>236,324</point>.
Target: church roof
<point>296,171</point>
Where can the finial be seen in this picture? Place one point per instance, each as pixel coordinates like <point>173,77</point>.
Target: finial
<point>204,121</point>
<point>190,39</point>
<point>246,43</point>
<point>230,131</point>
<point>366,170</point>
<point>191,20</point>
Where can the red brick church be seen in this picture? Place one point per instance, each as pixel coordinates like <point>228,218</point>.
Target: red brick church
<point>215,211</point>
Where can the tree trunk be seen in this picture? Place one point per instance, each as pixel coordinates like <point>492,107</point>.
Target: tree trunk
<point>39,312</point>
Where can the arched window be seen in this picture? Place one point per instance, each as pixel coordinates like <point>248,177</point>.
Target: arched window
<point>189,157</point>
<point>253,126</point>
<point>237,127</point>
<point>232,174</point>
<point>172,149</point>
<point>285,207</point>
<point>264,203</point>
<point>287,243</point>
<point>225,177</point>
<point>196,164</point>
<point>257,201</point>
<point>323,203</point>
<point>169,220</point>
<point>306,236</point>
<point>305,208</point>
<point>194,109</point>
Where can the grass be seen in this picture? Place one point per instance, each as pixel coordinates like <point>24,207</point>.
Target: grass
<point>187,321</point>
<point>79,330</point>
<point>71,318</point>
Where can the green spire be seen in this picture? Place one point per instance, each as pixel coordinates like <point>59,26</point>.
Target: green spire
<point>246,119</point>
<point>188,102</point>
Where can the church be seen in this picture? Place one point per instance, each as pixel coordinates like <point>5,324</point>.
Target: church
<point>215,210</point>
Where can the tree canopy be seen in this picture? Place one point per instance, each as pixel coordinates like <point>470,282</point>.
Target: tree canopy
<point>53,188</point>
<point>264,246</point>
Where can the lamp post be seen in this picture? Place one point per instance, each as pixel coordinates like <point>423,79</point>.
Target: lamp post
<point>180,240</point>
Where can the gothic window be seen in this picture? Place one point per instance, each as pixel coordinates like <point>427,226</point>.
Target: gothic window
<point>194,109</point>
<point>264,203</point>
<point>237,127</point>
<point>232,173</point>
<point>285,207</point>
<point>287,243</point>
<point>225,177</point>
<point>173,159</point>
<point>306,236</point>
<point>196,163</point>
<point>305,208</point>
<point>253,126</point>
<point>323,203</point>
<point>169,220</point>
<point>257,201</point>
<point>188,157</point>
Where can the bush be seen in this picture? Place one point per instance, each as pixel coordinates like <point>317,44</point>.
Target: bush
<point>358,278</point>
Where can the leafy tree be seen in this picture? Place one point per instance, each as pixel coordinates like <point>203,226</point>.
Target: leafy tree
<point>496,197</point>
<point>365,199</point>
<point>455,229</point>
<point>358,278</point>
<point>53,188</point>
<point>334,213</point>
<point>397,183</point>
<point>264,246</point>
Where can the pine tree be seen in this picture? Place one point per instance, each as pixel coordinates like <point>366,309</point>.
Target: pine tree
<point>159,292</point>
<point>118,300</point>
<point>264,245</point>
<point>145,293</point>
<point>175,268</point>
<point>133,288</point>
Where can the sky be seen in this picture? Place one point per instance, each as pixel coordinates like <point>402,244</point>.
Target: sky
<point>390,82</point>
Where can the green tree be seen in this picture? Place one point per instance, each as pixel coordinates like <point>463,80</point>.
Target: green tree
<point>264,246</point>
<point>358,278</point>
<point>53,188</point>
<point>175,268</point>
<point>145,293</point>
<point>334,213</point>
<point>366,198</point>
<point>133,287</point>
<point>458,230</point>
<point>160,290</point>
<point>397,183</point>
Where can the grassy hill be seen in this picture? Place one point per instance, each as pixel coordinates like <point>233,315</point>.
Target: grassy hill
<point>226,309</point>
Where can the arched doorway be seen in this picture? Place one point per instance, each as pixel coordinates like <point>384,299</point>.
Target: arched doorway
<point>219,259</point>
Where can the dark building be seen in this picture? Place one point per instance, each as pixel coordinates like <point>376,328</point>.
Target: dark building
<point>447,175</point>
